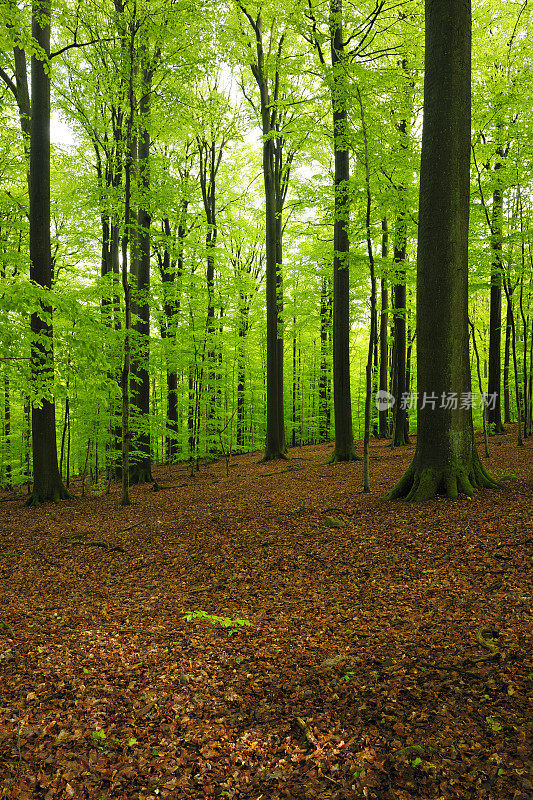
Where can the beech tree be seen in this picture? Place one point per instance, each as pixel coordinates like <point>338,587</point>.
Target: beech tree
<point>265,64</point>
<point>47,483</point>
<point>446,458</point>
<point>203,376</point>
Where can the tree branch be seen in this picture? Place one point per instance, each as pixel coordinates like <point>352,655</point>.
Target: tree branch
<point>79,44</point>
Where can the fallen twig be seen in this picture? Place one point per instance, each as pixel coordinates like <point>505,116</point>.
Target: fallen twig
<point>279,472</point>
<point>7,627</point>
<point>304,727</point>
<point>488,644</point>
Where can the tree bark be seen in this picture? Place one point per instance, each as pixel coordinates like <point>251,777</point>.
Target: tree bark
<point>506,364</point>
<point>383,430</point>
<point>495,329</point>
<point>275,431</point>
<point>400,424</point>
<point>325,324</point>
<point>47,484</point>
<point>141,466</point>
<point>446,458</point>
<point>342,401</point>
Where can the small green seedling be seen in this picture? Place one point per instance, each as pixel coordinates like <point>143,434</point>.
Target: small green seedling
<point>99,738</point>
<point>496,727</point>
<point>224,622</point>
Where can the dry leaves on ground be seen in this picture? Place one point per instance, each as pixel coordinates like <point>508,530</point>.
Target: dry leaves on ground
<point>388,653</point>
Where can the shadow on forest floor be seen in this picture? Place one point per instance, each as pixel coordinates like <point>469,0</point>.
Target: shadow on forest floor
<point>388,656</point>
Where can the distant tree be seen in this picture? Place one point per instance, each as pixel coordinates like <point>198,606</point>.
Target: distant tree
<point>266,58</point>
<point>446,458</point>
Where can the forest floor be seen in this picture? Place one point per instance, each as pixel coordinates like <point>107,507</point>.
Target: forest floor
<point>388,655</point>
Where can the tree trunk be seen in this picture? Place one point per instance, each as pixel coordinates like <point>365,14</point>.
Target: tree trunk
<point>325,322</point>
<point>7,428</point>
<point>279,308</point>
<point>400,424</point>
<point>383,335</point>
<point>446,458</point>
<point>241,381</point>
<point>373,310</point>
<point>47,484</point>
<point>495,330</point>
<point>506,363</point>
<point>141,466</point>
<point>342,402</point>
<point>525,325</point>
<point>508,295</point>
<point>400,431</point>
<point>275,433</point>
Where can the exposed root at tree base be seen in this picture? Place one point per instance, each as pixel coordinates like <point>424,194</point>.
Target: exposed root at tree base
<point>421,483</point>
<point>140,475</point>
<point>336,458</point>
<point>400,440</point>
<point>273,457</point>
<point>36,498</point>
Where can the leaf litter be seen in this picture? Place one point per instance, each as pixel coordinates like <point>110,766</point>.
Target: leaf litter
<point>387,655</point>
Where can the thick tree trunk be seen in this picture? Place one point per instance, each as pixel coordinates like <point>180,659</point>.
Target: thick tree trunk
<point>342,402</point>
<point>274,447</point>
<point>446,458</point>
<point>47,484</point>
<point>279,299</point>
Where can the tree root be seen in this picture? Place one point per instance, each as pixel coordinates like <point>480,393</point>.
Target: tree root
<point>140,474</point>
<point>337,458</point>
<point>273,457</point>
<point>421,483</point>
<point>36,499</point>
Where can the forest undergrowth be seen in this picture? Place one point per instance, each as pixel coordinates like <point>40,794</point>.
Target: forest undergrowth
<point>388,652</point>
